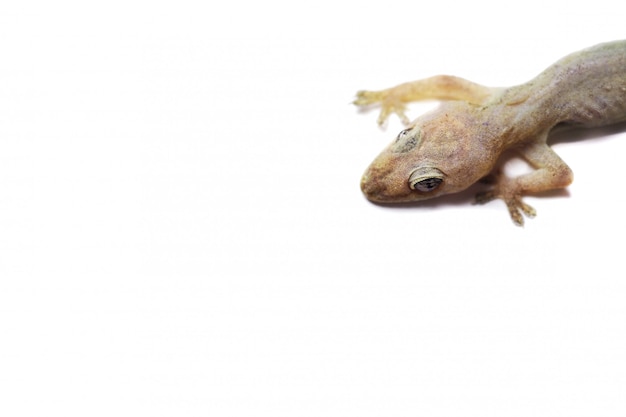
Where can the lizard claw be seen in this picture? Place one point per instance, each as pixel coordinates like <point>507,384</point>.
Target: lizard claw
<point>515,206</point>
<point>388,105</point>
<point>513,202</point>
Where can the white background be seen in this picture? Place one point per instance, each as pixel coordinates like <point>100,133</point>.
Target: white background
<point>182,231</point>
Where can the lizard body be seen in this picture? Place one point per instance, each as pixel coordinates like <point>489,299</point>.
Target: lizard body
<point>459,143</point>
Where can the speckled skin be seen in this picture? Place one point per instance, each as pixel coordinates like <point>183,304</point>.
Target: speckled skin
<point>449,149</point>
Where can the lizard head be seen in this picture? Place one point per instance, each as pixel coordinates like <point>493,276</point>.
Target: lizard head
<point>441,153</point>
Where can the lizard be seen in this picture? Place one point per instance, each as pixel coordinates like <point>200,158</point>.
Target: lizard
<point>460,142</point>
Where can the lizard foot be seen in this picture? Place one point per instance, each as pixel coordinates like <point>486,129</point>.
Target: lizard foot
<point>388,104</point>
<point>513,202</point>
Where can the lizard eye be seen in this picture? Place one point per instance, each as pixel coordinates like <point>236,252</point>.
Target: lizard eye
<point>402,134</point>
<point>425,179</point>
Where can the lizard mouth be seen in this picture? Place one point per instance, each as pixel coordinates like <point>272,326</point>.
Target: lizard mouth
<point>380,187</point>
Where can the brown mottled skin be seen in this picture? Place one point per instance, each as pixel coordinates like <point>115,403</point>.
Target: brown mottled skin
<point>449,149</point>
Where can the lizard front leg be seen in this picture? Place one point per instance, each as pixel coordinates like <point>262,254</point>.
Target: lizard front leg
<point>440,87</point>
<point>550,173</point>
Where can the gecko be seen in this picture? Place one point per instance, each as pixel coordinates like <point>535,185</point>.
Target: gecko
<point>460,142</point>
